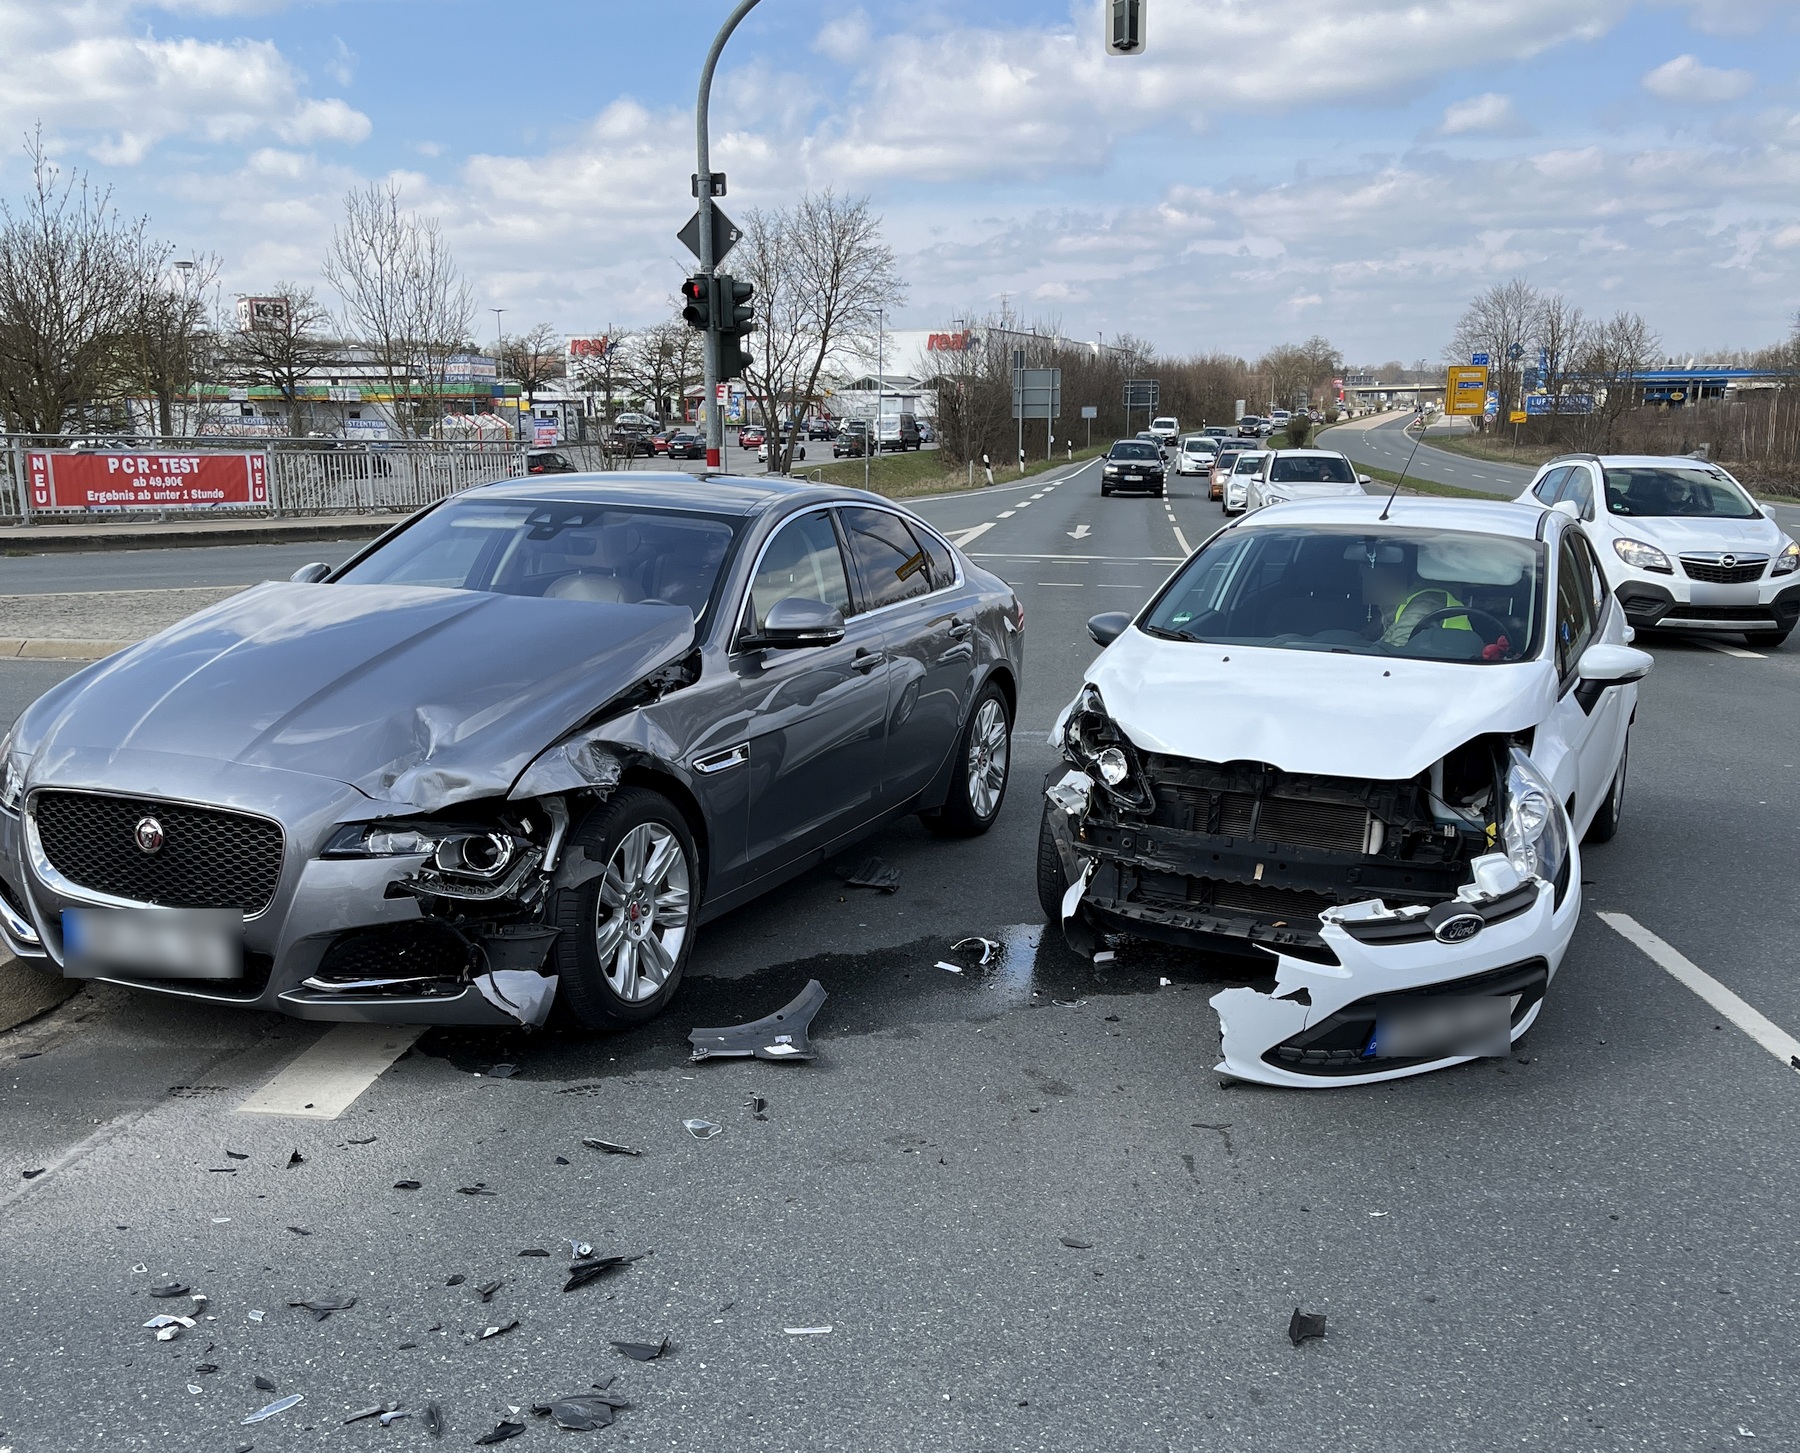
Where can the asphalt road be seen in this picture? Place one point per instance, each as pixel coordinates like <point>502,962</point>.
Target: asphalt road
<point>1585,1246</point>
<point>1389,446</point>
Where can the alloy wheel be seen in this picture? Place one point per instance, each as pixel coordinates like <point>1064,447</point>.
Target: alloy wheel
<point>989,749</point>
<point>642,912</point>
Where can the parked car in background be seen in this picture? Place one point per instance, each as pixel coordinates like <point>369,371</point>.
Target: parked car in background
<point>1287,475</point>
<point>516,751</point>
<point>548,461</point>
<point>1134,464</point>
<point>660,439</point>
<point>1166,428</point>
<point>686,444</point>
<point>762,452</point>
<point>927,434</point>
<point>1362,741</point>
<point>819,428</point>
<point>852,440</point>
<point>897,433</point>
<point>1683,546</point>
<point>1196,455</point>
<point>750,436</point>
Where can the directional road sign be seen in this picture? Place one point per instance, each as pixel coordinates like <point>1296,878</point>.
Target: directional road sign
<point>1466,390</point>
<point>1037,393</point>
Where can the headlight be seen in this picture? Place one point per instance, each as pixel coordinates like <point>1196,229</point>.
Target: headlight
<point>1788,561</point>
<point>1092,740</point>
<point>1110,763</point>
<point>1533,830</point>
<point>374,840</point>
<point>1640,556</point>
<point>1270,497</point>
<point>12,775</point>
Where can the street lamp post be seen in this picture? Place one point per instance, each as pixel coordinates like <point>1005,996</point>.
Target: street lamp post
<point>715,422</point>
<point>499,342</point>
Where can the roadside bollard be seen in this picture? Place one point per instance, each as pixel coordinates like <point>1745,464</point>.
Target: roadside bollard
<point>987,466</point>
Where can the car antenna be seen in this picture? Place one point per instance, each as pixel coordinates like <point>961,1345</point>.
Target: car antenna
<point>1402,479</point>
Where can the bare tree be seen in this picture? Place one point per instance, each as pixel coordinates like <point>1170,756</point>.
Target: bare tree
<point>1561,336</point>
<point>279,341</point>
<point>69,280</point>
<point>823,276</point>
<point>532,359</point>
<point>1500,323</point>
<point>403,299</point>
<point>1618,350</point>
<point>169,345</point>
<point>601,371</point>
<point>661,362</point>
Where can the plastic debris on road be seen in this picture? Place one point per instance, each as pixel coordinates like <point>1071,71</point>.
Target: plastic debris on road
<point>323,1307</point>
<point>487,1289</point>
<point>642,1351</point>
<point>521,993</point>
<point>534,1251</point>
<point>502,1072</point>
<point>498,1331</point>
<point>263,1384</point>
<point>949,967</point>
<point>582,1412</point>
<point>296,1159</point>
<point>255,1316</point>
<point>478,1189</point>
<point>32,1175</point>
<point>170,1289</point>
<point>610,1147</point>
<point>987,948</point>
<point>593,1268</point>
<point>1075,1243</point>
<point>406,1185</point>
<point>433,1419</point>
<point>1303,1325</point>
<point>758,1107</point>
<point>807,1331</point>
<point>390,1418</point>
<point>702,1129</point>
<point>280,1405</point>
<point>778,1036</point>
<point>502,1431</point>
<point>357,1417</point>
<point>872,873</point>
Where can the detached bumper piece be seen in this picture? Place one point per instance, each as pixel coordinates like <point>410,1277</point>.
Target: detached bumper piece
<point>778,1036</point>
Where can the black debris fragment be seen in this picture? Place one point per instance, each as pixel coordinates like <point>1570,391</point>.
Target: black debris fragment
<point>406,1185</point>
<point>32,1175</point>
<point>778,1036</point>
<point>592,1269</point>
<point>170,1289</point>
<point>478,1189</point>
<point>296,1159</point>
<point>300,1231</point>
<point>642,1351</point>
<point>365,1140</point>
<point>323,1307</point>
<point>502,1072</point>
<point>872,873</point>
<point>433,1419</point>
<point>221,1170</point>
<point>456,1280</point>
<point>583,1412</point>
<point>408,1346</point>
<point>206,1367</point>
<point>501,1433</point>
<point>1074,1243</point>
<point>610,1148</point>
<point>264,1384</point>
<point>534,1251</point>
<point>236,1155</point>
<point>758,1107</point>
<point>562,1160</point>
<point>487,1289</point>
<point>499,1331</point>
<point>374,1412</point>
<point>1305,1324</point>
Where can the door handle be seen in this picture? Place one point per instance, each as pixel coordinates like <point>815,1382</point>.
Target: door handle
<point>866,660</point>
<point>962,629</point>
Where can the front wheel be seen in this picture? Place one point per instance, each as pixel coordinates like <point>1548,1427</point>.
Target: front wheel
<point>627,931</point>
<point>1768,640</point>
<point>1606,821</point>
<point>1052,879</point>
<point>983,767</point>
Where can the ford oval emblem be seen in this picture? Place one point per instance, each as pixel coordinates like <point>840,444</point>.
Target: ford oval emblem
<point>149,835</point>
<point>1460,928</point>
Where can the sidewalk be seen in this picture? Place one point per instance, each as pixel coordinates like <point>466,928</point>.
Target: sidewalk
<point>182,533</point>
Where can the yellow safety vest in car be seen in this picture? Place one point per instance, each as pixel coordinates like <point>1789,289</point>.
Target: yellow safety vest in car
<point>1445,600</point>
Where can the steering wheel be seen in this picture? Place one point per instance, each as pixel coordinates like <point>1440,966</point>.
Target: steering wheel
<point>1453,611</point>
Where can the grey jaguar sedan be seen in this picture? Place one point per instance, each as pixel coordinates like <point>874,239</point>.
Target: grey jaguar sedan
<point>516,750</point>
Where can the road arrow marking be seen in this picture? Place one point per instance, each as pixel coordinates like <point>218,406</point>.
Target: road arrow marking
<point>1080,532</point>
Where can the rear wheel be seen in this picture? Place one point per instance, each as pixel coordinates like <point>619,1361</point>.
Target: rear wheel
<point>1606,820</point>
<point>1052,881</point>
<point>983,768</point>
<point>627,932</point>
<point>1768,640</point>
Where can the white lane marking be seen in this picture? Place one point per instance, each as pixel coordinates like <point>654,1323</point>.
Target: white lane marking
<point>1115,585</point>
<point>1725,650</point>
<point>1181,540</point>
<point>1071,584</point>
<point>1022,504</point>
<point>1763,1030</point>
<point>323,1081</point>
<point>967,536</point>
<point>1006,514</point>
<point>1080,532</point>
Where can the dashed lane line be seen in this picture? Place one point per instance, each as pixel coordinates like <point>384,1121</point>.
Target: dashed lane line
<point>325,1079</point>
<point>1181,540</point>
<point>1684,970</point>
<point>1067,584</point>
<point>1006,514</point>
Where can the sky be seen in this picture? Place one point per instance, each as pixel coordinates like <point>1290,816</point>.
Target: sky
<point>1266,170</point>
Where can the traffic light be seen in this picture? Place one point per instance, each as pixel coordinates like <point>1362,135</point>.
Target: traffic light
<point>1125,27</point>
<point>697,306</point>
<point>734,317</point>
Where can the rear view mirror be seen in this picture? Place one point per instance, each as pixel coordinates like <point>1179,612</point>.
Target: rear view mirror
<point>1605,665</point>
<point>796,621</point>
<point>1108,626</point>
<point>310,574</point>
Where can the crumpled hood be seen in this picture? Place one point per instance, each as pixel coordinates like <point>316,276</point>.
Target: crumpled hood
<point>1679,533</point>
<point>1311,711</point>
<point>413,695</point>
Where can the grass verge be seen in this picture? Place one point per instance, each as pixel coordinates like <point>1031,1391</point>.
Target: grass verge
<point>1415,485</point>
<point>903,476</point>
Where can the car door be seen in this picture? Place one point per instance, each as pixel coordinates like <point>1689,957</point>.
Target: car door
<point>815,716</point>
<point>909,578</point>
<point>1578,744</point>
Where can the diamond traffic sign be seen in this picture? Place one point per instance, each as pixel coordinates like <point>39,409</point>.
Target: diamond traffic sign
<point>724,231</point>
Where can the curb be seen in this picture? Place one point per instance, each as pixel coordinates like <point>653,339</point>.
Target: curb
<point>50,650</point>
<point>41,540</point>
<point>26,993</point>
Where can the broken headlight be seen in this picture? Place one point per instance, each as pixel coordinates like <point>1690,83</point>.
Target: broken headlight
<point>377,840</point>
<point>458,853</point>
<point>1533,829</point>
<point>12,773</point>
<point>1094,742</point>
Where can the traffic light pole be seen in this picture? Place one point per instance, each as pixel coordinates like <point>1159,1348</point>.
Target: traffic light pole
<point>715,421</point>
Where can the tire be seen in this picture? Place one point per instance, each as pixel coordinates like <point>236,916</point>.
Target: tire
<point>1104,491</point>
<point>1052,881</point>
<point>1606,821</point>
<point>983,751</point>
<point>1768,640</point>
<point>602,987</point>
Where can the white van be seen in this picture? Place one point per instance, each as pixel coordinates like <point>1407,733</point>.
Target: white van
<point>1166,428</point>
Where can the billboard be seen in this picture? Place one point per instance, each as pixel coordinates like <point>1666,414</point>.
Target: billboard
<point>1466,391</point>
<point>269,313</point>
<point>64,480</point>
<point>592,348</point>
<point>948,342</point>
<point>1542,405</point>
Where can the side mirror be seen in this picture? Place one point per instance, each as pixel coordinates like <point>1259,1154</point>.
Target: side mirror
<point>796,621</point>
<point>1364,479</point>
<point>310,574</point>
<point>1108,626</point>
<point>1613,665</point>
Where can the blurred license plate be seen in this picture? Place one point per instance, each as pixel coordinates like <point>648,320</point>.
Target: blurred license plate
<point>1134,477</point>
<point>1437,1026</point>
<point>163,943</point>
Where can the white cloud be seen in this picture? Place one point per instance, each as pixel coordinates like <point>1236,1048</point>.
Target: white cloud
<point>1491,112</point>
<point>1729,17</point>
<point>1685,79</point>
<point>96,79</point>
<point>845,39</point>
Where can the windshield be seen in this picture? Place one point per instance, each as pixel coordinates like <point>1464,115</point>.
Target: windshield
<point>1311,469</point>
<point>1134,451</point>
<point>1660,490</point>
<point>1197,446</point>
<point>1248,464</point>
<point>557,549</point>
<point>1430,595</point>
